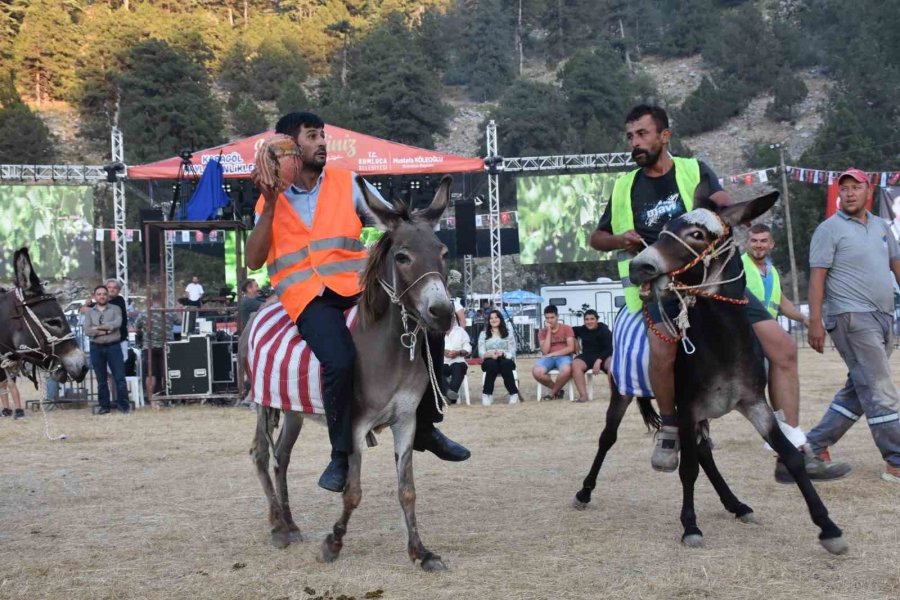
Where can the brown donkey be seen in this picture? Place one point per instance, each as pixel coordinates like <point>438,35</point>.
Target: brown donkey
<point>405,294</point>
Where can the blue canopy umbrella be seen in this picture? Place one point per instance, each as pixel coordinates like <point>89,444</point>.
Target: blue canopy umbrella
<point>521,297</point>
<point>209,196</point>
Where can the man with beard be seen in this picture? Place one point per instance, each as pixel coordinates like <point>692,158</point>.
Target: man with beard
<point>854,261</point>
<point>325,205</point>
<point>643,201</point>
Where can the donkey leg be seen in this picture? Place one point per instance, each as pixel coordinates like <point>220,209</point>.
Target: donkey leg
<point>740,510</point>
<point>618,404</point>
<point>404,433</point>
<point>331,546</point>
<point>287,531</point>
<point>762,418</point>
<point>266,420</point>
<point>688,470</point>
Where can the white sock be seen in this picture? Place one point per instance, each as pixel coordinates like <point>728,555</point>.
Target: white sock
<point>794,434</point>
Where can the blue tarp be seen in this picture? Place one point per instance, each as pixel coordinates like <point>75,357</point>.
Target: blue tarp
<point>521,297</point>
<point>209,196</point>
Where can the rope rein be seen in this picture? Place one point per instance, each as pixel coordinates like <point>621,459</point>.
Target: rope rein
<point>687,294</point>
<point>409,338</point>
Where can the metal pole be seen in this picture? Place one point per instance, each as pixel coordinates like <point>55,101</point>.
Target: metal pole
<point>795,288</point>
<point>494,214</point>
<point>118,156</point>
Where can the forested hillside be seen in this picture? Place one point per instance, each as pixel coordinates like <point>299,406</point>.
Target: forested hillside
<point>557,75</point>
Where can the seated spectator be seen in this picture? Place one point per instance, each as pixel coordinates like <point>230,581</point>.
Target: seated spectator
<point>457,348</point>
<point>497,349</point>
<point>557,342</point>
<point>595,339</point>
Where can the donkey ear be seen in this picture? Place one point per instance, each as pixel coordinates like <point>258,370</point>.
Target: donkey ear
<point>386,215</point>
<point>701,197</point>
<point>744,212</point>
<point>26,279</point>
<point>438,205</point>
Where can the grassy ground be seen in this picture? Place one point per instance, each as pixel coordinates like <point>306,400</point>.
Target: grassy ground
<point>164,505</point>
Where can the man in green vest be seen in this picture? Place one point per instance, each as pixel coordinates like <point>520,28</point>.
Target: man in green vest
<point>643,201</point>
<point>762,277</point>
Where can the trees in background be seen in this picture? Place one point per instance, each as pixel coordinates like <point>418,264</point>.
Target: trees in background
<point>23,136</point>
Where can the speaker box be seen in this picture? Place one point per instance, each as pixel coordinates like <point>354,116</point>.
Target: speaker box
<point>188,367</point>
<point>223,361</point>
<point>465,227</point>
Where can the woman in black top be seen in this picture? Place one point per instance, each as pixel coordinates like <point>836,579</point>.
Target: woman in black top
<point>596,350</point>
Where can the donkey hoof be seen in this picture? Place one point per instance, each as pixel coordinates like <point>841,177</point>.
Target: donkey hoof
<point>578,504</point>
<point>280,539</point>
<point>750,517</point>
<point>583,497</point>
<point>329,550</point>
<point>835,545</point>
<point>692,540</point>
<point>294,536</point>
<point>433,564</point>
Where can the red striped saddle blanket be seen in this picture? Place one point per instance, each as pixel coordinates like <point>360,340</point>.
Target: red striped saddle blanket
<point>284,372</point>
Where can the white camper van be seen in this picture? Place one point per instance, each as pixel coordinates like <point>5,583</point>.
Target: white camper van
<point>604,295</point>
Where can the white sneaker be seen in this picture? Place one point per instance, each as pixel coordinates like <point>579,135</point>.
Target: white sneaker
<point>487,399</point>
<point>513,398</point>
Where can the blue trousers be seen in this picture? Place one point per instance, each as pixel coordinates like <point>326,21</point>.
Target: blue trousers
<point>109,355</point>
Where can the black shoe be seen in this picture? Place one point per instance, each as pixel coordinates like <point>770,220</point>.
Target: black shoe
<point>103,411</point>
<point>440,445</point>
<point>20,414</point>
<point>6,413</point>
<point>334,479</point>
<point>123,409</point>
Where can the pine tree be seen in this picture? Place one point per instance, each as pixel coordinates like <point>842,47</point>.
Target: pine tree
<point>484,61</point>
<point>789,92</point>
<point>24,138</point>
<point>166,103</point>
<point>390,90</point>
<point>531,120</point>
<point>292,98</point>
<point>246,117</point>
<point>46,47</point>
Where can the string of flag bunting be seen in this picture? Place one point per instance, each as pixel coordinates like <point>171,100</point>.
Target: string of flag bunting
<point>185,236</point>
<point>507,219</point>
<point>802,174</point>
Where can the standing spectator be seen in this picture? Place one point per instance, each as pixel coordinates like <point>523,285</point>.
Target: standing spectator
<point>557,342</point>
<point>497,349</point>
<point>8,388</point>
<point>854,260</point>
<point>102,324</point>
<point>194,292</point>
<point>596,349</point>
<point>457,348</point>
<point>154,329</point>
<point>113,287</point>
<point>250,302</point>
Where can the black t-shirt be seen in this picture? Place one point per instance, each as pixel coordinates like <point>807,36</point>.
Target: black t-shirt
<point>247,307</point>
<point>655,201</point>
<point>597,342</point>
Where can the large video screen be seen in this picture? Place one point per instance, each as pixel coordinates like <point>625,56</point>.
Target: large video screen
<point>558,214</point>
<point>55,222</point>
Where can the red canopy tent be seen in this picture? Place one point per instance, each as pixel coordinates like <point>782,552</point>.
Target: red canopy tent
<point>364,154</point>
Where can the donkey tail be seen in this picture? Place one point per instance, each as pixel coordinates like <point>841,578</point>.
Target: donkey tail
<point>649,414</point>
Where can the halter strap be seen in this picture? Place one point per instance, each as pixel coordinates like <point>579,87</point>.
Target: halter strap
<point>32,322</point>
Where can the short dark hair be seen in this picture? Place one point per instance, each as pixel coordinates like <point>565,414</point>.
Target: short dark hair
<point>760,228</point>
<point>245,284</point>
<point>291,123</point>
<point>102,286</point>
<point>591,311</point>
<point>658,114</point>
<point>551,310</point>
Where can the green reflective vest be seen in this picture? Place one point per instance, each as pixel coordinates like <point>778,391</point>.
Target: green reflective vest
<point>687,177</point>
<point>756,286</point>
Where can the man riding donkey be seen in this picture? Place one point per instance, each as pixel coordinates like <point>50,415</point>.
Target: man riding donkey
<point>308,237</point>
<point>643,201</point>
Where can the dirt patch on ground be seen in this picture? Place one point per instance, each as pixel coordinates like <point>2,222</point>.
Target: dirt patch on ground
<point>166,505</point>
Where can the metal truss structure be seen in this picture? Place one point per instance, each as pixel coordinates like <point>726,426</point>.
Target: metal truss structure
<point>71,174</point>
<point>495,164</point>
<point>118,157</point>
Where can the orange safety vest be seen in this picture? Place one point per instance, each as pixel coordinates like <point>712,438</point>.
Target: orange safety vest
<point>303,260</point>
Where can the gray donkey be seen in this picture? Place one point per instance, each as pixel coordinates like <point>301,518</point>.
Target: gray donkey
<point>719,369</point>
<point>34,330</point>
<point>405,294</point>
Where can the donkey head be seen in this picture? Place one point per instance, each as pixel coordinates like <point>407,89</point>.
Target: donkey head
<point>409,259</point>
<point>32,318</point>
<point>695,245</point>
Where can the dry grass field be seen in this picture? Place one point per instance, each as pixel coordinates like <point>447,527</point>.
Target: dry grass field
<point>165,505</point>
